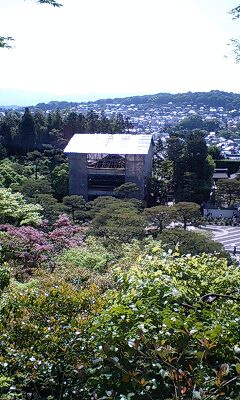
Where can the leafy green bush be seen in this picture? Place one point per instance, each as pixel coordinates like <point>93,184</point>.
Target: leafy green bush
<point>4,277</point>
<point>43,340</point>
<point>83,258</point>
<point>170,331</point>
<point>192,242</point>
<point>14,209</point>
<point>84,266</point>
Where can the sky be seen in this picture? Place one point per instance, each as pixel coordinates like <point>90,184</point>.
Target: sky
<point>91,49</point>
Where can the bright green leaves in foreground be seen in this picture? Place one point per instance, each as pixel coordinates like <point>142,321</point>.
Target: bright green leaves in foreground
<point>43,339</point>
<point>167,329</point>
<point>172,330</point>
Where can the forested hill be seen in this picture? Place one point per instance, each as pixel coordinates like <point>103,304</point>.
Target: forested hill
<point>54,105</point>
<point>214,98</point>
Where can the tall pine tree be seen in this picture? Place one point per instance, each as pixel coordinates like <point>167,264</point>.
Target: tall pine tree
<point>27,132</point>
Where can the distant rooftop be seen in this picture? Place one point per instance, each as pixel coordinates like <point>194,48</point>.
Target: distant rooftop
<point>85,143</point>
<point>219,175</point>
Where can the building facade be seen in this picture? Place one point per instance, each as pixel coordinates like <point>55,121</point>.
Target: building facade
<point>98,163</point>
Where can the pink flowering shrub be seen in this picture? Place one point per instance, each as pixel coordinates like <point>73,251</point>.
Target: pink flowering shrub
<point>26,248</point>
<point>65,234</point>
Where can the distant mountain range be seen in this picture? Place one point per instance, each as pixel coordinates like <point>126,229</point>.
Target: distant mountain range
<point>214,98</point>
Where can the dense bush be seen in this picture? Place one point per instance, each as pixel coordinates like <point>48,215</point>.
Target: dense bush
<point>83,258</point>
<point>168,329</point>
<point>86,265</point>
<point>42,334</point>
<point>191,242</point>
<point>117,220</point>
<point>14,209</point>
<point>27,248</point>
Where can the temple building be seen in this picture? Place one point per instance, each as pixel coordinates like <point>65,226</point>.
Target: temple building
<point>98,163</point>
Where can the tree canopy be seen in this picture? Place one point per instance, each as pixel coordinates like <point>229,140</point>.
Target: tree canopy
<point>192,166</point>
<point>14,208</point>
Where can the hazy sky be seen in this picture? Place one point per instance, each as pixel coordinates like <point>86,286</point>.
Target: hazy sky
<point>99,48</point>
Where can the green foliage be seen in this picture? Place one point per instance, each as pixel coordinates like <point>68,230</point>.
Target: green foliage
<point>228,191</point>
<point>160,216</point>
<point>192,122</point>
<point>4,277</point>
<point>9,126</point>
<point>38,163</point>
<point>35,133</point>
<point>10,174</point>
<point>32,187</point>
<point>160,185</point>
<point>28,248</point>
<point>100,203</point>
<point>215,152</point>
<point>85,266</point>
<point>60,181</point>
<point>42,331</point>
<point>75,204</point>
<point>169,332</point>
<point>84,258</point>
<point>120,222</point>
<point>167,329</point>
<point>187,212</point>
<point>3,150</point>
<point>196,122</point>
<point>211,125</point>
<point>27,133</point>
<point>214,98</point>
<point>51,208</point>
<point>192,166</point>
<point>191,242</point>
<point>14,209</point>
<point>175,153</point>
<point>158,147</point>
<point>126,190</point>
<point>105,202</point>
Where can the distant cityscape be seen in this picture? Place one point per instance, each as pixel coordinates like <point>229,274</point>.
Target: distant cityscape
<point>150,118</point>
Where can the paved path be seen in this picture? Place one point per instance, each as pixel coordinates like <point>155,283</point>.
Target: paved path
<point>229,236</point>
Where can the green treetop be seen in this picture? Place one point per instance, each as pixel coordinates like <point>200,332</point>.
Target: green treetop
<point>14,209</point>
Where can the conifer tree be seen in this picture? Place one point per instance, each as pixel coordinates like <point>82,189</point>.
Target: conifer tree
<point>27,132</point>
